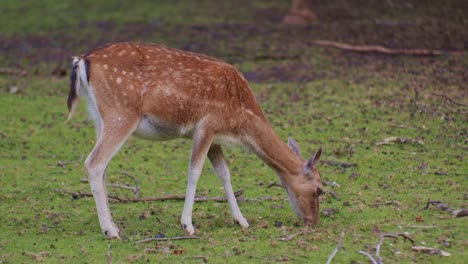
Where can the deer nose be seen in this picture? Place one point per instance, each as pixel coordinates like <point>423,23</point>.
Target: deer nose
<point>319,191</point>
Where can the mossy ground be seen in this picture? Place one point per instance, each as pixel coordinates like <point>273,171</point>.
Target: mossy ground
<point>344,102</point>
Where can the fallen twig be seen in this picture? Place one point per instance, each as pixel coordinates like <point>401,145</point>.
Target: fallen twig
<point>421,226</point>
<point>274,184</point>
<point>430,251</point>
<point>109,254</point>
<point>378,49</point>
<point>445,207</point>
<point>382,238</point>
<point>291,236</point>
<point>165,239</point>
<point>333,184</point>
<point>371,258</point>
<point>449,99</point>
<point>79,194</point>
<point>396,203</point>
<point>402,140</point>
<point>378,259</point>
<point>334,194</point>
<point>438,204</point>
<point>338,246</point>
<point>339,164</point>
<point>16,72</point>
<point>460,212</point>
<point>135,189</point>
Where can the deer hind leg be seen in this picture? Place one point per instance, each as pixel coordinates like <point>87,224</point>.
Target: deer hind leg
<point>200,146</point>
<point>215,154</point>
<point>110,138</point>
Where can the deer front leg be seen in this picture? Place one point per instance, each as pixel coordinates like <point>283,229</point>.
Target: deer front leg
<point>108,143</point>
<point>200,146</point>
<point>216,157</point>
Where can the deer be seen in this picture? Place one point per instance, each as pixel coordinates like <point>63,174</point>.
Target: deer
<point>160,93</point>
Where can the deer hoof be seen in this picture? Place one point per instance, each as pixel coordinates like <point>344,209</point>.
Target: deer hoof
<point>189,230</point>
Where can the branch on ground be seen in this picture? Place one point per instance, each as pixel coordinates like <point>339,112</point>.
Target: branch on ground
<point>377,259</point>
<point>339,164</point>
<point>13,72</point>
<point>338,246</point>
<point>400,140</point>
<point>79,194</point>
<point>165,239</point>
<point>396,203</point>
<point>380,49</point>
<point>135,189</point>
<point>445,207</point>
<point>430,251</point>
<point>292,236</point>
<point>449,99</point>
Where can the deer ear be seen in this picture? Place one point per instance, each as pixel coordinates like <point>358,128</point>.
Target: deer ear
<point>313,161</point>
<point>294,146</point>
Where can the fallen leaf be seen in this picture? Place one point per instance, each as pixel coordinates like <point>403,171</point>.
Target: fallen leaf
<point>179,251</point>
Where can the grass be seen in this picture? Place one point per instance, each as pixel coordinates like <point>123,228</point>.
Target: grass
<point>352,103</point>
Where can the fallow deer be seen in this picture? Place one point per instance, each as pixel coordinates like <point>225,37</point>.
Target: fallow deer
<point>160,93</point>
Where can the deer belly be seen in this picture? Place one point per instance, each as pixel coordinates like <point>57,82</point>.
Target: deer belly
<point>152,128</point>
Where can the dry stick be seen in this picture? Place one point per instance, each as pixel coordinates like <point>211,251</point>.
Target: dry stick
<point>378,49</point>
<point>136,189</point>
<point>339,164</point>
<point>165,239</point>
<point>396,203</point>
<point>368,256</point>
<point>378,247</point>
<point>438,204</point>
<point>77,195</point>
<point>431,251</point>
<point>276,184</point>
<point>13,72</point>
<point>109,256</point>
<point>290,237</point>
<point>445,207</point>
<point>338,246</point>
<point>449,99</point>
<point>395,236</point>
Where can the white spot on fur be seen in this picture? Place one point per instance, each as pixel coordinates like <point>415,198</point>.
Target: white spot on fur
<point>119,80</point>
<point>115,69</point>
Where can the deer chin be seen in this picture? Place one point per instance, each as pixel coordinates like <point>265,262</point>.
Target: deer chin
<point>309,214</point>
<point>294,205</point>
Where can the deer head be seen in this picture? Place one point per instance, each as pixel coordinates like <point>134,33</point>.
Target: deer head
<point>305,187</point>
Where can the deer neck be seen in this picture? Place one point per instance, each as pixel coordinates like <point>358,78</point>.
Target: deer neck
<point>271,149</point>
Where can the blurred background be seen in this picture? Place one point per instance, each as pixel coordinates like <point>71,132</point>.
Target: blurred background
<point>256,36</point>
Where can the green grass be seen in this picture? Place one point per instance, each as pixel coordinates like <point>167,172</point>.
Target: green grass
<point>346,109</point>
